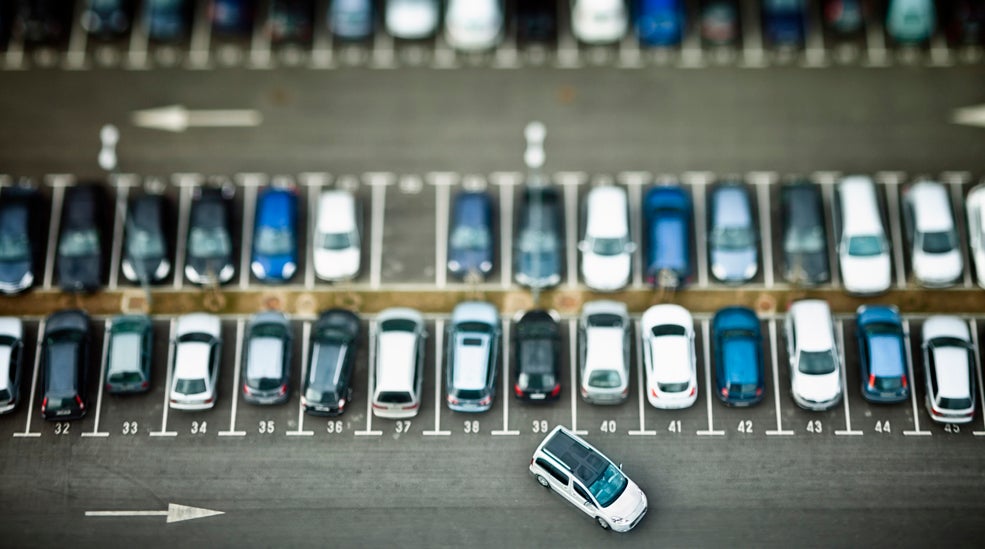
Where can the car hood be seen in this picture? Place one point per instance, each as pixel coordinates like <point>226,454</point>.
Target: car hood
<point>937,268</point>
<point>808,267</point>
<point>337,263</point>
<point>866,274</point>
<point>470,260</point>
<point>13,272</point>
<point>817,388</point>
<point>734,265</point>
<point>605,272</point>
<point>273,265</point>
<point>629,504</point>
<point>539,266</point>
<point>79,272</point>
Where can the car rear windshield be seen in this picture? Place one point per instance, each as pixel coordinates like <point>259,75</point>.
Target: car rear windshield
<point>190,386</point>
<point>470,394</point>
<point>395,397</point>
<point>673,387</point>
<point>737,389</point>
<point>954,403</point>
<point>398,325</point>
<point>605,379</point>
<point>125,377</point>
<point>817,363</point>
<point>668,330</point>
<point>887,383</point>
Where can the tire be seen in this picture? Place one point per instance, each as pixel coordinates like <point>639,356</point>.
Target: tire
<point>601,522</point>
<point>543,481</point>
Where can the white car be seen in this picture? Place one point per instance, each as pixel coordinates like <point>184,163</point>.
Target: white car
<point>949,369</point>
<point>599,21</point>
<point>975,204</point>
<point>473,25</point>
<point>606,250</point>
<point>863,250</point>
<point>604,332</point>
<point>667,334</point>
<point>930,229</point>
<point>815,367</point>
<point>337,240</point>
<point>398,371</point>
<point>198,349</point>
<point>11,350</point>
<point>411,19</point>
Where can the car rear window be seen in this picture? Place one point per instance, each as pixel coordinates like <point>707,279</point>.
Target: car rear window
<point>605,379</point>
<point>125,377</point>
<point>954,403</point>
<point>395,397</point>
<point>668,330</point>
<point>190,386</point>
<point>673,387</point>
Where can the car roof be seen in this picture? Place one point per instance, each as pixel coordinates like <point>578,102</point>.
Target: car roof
<point>396,361</point>
<point>730,206</point>
<point>125,353</point>
<point>802,204</point>
<point>812,323</point>
<point>63,373</point>
<point>953,379</point>
<point>192,360</point>
<point>605,350</point>
<point>673,364</point>
<point>336,212</point>
<point>607,213</point>
<point>327,361</point>
<point>198,322</point>
<point>931,207</point>
<point>584,462</point>
<point>472,351</point>
<point>886,355</point>
<point>266,357</point>
<point>859,206</point>
<point>275,207</point>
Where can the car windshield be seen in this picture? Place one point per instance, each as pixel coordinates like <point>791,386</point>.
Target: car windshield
<point>537,241</point>
<point>608,246</point>
<point>271,241</point>
<point>143,244</point>
<point>189,386</point>
<point>79,243</point>
<point>939,242</point>
<point>864,246</point>
<point>14,246</point>
<point>470,238</point>
<point>609,486</point>
<point>605,379</point>
<point>817,362</point>
<point>732,238</point>
<point>804,240</point>
<point>212,242</point>
<point>336,241</point>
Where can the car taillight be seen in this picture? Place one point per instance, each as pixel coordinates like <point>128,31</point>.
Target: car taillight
<point>452,400</point>
<point>247,390</point>
<point>517,390</point>
<point>872,380</point>
<point>341,404</point>
<point>78,400</point>
<point>304,401</point>
<point>584,392</point>
<point>209,400</point>
<point>144,384</point>
<point>625,391</point>
<point>935,412</point>
<point>654,393</point>
<point>724,391</point>
<point>282,390</point>
<point>44,404</point>
<point>903,380</point>
<point>109,387</point>
<point>379,406</point>
<point>556,390</point>
<point>759,391</point>
<point>486,401</point>
<point>410,407</point>
<point>694,391</point>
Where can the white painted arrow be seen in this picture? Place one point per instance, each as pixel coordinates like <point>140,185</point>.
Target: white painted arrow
<point>176,118</point>
<point>970,116</point>
<point>175,513</point>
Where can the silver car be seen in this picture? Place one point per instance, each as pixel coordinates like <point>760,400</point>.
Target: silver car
<point>603,333</point>
<point>198,349</point>
<point>267,358</point>
<point>11,351</point>
<point>473,341</point>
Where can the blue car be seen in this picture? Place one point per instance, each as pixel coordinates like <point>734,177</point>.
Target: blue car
<point>732,234</point>
<point>232,17</point>
<point>910,21</point>
<point>660,22</point>
<point>667,214</point>
<point>351,19</point>
<point>275,235</point>
<point>470,237</point>
<point>784,22</point>
<point>882,355</point>
<point>739,371</point>
<point>167,20</point>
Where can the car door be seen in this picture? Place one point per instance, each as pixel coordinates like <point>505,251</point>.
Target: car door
<point>580,497</point>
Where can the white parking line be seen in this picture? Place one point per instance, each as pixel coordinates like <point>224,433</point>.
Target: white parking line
<point>246,236</point>
<point>506,383</point>
<point>913,384</point>
<point>200,44</point>
<point>370,384</point>
<point>122,192</point>
<point>237,368</point>
<point>75,57</point>
<point>441,201</point>
<point>875,43</point>
<point>305,345</point>
<point>506,186</point>
<point>439,336</point>
<point>322,54</point>
<point>167,385</point>
<point>892,182</point>
<point>763,181</point>
<point>137,54</point>
<point>260,57</point>
<point>753,55</point>
<point>978,372</point>
<point>57,199</point>
<point>567,55</point>
<point>630,56</point>
<point>642,391</point>
<point>776,382</point>
<point>34,385</point>
<point>840,333</point>
<point>573,360</point>
<point>570,181</point>
<point>14,56</point>
<point>706,345</point>
<point>940,54</point>
<point>102,379</point>
<point>376,238</point>
<point>815,54</point>
<point>184,211</point>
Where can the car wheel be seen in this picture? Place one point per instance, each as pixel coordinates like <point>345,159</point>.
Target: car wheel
<point>601,522</point>
<point>543,481</point>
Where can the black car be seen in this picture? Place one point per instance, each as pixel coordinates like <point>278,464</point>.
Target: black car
<point>44,22</point>
<point>334,341</point>
<point>536,21</point>
<point>167,20</point>
<point>539,248</point>
<point>19,238</point>
<point>65,365</point>
<point>291,21</point>
<point>805,240</point>
<point>146,254</point>
<point>537,356</point>
<point>107,19</point>
<point>80,242</point>
<point>210,245</point>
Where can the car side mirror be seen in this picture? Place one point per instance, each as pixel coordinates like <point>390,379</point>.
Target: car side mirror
<point>583,247</point>
<point>588,503</point>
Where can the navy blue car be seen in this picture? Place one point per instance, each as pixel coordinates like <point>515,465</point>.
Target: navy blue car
<point>737,342</point>
<point>20,234</point>
<point>275,249</point>
<point>470,237</point>
<point>660,22</point>
<point>539,248</point>
<point>882,355</point>
<point>784,22</point>
<point>667,214</point>
<point>231,17</point>
<point>167,20</point>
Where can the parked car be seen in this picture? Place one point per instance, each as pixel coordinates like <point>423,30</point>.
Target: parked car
<point>290,21</point>
<point>537,356</point>
<point>45,22</point>
<point>275,241</point>
<point>667,334</point>
<point>65,366</point>
<point>844,17</point>
<point>949,368</point>
<point>737,341</point>
<point>146,255</point>
<point>210,242</point>
<point>607,248</point>
<point>107,18</point>
<point>882,354</point>
<point>267,358</point>
<point>784,22</point>
<point>604,330</point>
<point>582,475</point>
<point>129,353</point>
<point>863,250</point>
<point>337,236</point>
<point>232,17</point>
<point>473,345</point>
<point>667,221</point>
<point>327,386</point>
<point>351,19</point>
<point>195,370</point>
<point>167,20</point>
<point>975,206</point>
<point>815,376</point>
<point>399,367</point>
<point>80,242</point>
<point>470,237</point>
<point>719,22</point>
<point>660,22</point>
<point>805,238</point>
<point>965,22</point>
<point>536,21</point>
<point>599,21</point>
<point>539,249</point>
<point>412,19</point>
<point>935,251</point>
<point>20,237</point>
<point>473,25</point>
<point>732,250</point>
<point>11,360</point>
<point>910,21</point>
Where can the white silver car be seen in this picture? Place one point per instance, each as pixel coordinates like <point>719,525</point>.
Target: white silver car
<point>606,249</point>
<point>949,369</point>
<point>473,25</point>
<point>198,350</point>
<point>604,330</point>
<point>930,229</point>
<point>975,204</point>
<point>399,368</point>
<point>599,21</point>
<point>11,350</point>
<point>815,366</point>
<point>667,334</point>
<point>337,249</point>
<point>863,250</point>
<point>411,19</point>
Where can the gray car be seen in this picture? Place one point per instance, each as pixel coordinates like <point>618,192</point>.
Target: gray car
<point>473,341</point>
<point>267,358</point>
<point>732,234</point>
<point>11,351</point>
<point>128,355</point>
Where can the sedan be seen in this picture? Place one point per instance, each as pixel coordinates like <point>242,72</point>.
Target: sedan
<point>932,234</point>
<point>732,249</point>
<point>738,346</point>
<point>195,370</point>
<point>470,237</point>
<point>815,375</point>
<point>719,22</point>
<point>667,220</point>
<point>604,331</point>
<point>805,238</point>
<point>80,243</point>
<point>412,19</point>
<point>167,20</point>
<point>275,247</point>
<point>11,353</point>
<point>65,365</point>
<point>351,19</point>
<point>599,21</point>
<point>473,344</point>
<point>129,353</point>
<point>145,245</point>
<point>267,358</point>
<point>231,17</point>
<point>667,333</point>
<point>537,356</point>
<point>660,22</point>
<point>473,25</point>
<point>290,21</point>
<point>334,343</point>
<point>539,249</point>
<point>45,22</point>
<point>19,239</point>
<point>210,246</point>
<point>882,354</point>
<point>536,21</point>
<point>949,366</point>
<point>844,17</point>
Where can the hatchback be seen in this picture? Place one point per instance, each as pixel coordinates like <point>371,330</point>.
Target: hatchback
<point>732,237</point>
<point>805,239</point>
<point>882,354</point>
<point>667,334</point>
<point>470,237</point>
<point>537,356</point>
<point>275,241</point>
<point>19,239</point>
<point>949,368</point>
<point>351,19</point>
<point>107,18</point>
<point>815,375</point>
<point>337,248</point>
<point>660,22</point>
<point>231,17</point>
<point>910,21</point>
<point>599,21</point>
<point>539,248</point>
<point>210,243</point>
<point>399,368</point>
<point>412,19</point>
<point>195,370</point>
<point>667,219</point>
<point>129,352</point>
<point>65,366</point>
<point>604,331</point>
<point>80,243</point>
<point>784,22</point>
<point>935,252</point>
<point>606,250</point>
<point>167,20</point>
<point>738,351</point>
<point>11,354</point>
<point>473,25</point>
<point>145,244</point>
<point>863,250</point>
<point>975,205</point>
<point>473,345</point>
<point>327,386</point>
<point>267,358</point>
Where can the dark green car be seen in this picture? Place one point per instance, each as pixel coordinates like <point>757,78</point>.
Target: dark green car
<point>128,355</point>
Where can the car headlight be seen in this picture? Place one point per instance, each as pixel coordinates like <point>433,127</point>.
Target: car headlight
<point>258,269</point>
<point>162,269</point>
<point>454,265</point>
<point>485,266</point>
<point>289,268</point>
<point>27,279</point>
<point>750,270</point>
